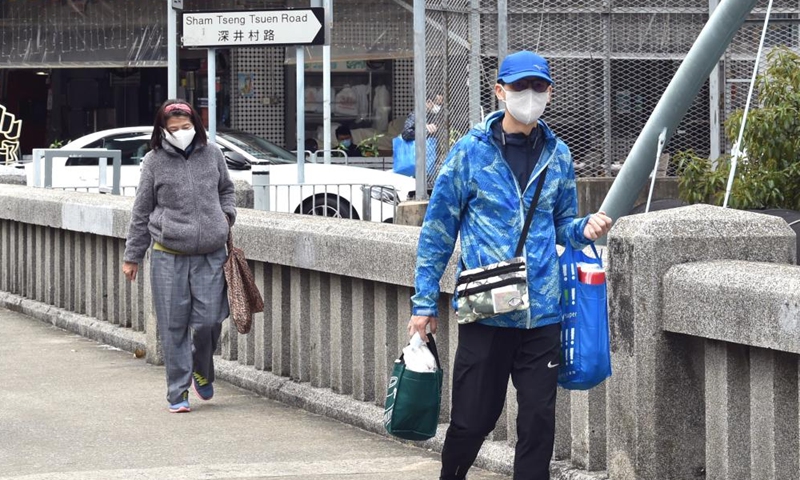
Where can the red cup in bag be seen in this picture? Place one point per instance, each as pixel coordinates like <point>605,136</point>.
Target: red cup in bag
<point>591,274</point>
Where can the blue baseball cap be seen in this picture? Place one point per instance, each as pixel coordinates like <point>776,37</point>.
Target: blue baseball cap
<point>523,64</point>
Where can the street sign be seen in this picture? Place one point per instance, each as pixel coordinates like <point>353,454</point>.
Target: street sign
<point>301,26</point>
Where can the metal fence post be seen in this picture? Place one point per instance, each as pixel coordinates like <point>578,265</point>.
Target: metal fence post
<point>419,98</point>
<point>261,189</point>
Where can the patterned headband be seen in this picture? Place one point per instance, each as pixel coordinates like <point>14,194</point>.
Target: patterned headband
<point>178,106</point>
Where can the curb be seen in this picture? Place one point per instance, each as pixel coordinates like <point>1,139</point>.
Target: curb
<point>494,456</point>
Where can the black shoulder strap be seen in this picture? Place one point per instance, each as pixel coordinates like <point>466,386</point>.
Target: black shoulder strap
<point>529,217</point>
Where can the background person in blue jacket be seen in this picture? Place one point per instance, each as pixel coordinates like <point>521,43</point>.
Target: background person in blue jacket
<point>483,192</point>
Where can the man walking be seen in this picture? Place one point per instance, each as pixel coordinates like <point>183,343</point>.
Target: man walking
<point>483,193</point>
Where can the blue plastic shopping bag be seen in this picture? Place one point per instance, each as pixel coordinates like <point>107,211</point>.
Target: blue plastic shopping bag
<point>404,156</point>
<point>585,350</point>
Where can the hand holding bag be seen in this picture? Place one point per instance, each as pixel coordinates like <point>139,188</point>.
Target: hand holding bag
<point>501,287</point>
<point>585,350</point>
<point>243,295</point>
<point>413,400</point>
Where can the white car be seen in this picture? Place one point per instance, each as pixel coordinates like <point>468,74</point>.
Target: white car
<point>328,190</point>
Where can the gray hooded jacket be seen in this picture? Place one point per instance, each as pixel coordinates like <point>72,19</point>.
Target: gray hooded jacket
<point>181,202</point>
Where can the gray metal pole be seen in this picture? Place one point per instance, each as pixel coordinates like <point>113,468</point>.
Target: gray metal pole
<point>212,95</point>
<point>502,30</point>
<point>502,44</point>
<point>474,62</point>
<point>699,62</point>
<point>715,83</point>
<point>172,51</point>
<point>326,83</point>
<point>301,115</point>
<point>419,98</point>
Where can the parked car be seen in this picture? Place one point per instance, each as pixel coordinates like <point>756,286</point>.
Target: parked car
<point>328,190</point>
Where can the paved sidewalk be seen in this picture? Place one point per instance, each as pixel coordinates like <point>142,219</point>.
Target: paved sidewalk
<point>71,409</point>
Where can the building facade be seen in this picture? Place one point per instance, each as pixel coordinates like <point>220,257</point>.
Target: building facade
<point>70,67</point>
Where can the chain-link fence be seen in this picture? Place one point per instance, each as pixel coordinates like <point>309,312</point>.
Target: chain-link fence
<point>611,61</point>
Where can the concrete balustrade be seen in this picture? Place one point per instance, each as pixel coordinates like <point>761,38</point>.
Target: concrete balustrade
<point>750,315</point>
<point>663,389</point>
<point>705,369</point>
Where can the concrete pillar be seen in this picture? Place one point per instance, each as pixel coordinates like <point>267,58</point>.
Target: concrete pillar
<point>774,444</point>
<point>281,320</point>
<point>14,264</point>
<point>80,272</point>
<point>300,292</point>
<point>363,339</point>
<point>112,291</point>
<point>563,444</point>
<point>506,427</point>
<point>341,334</point>
<point>727,387</point>
<point>59,267</point>
<point>124,286</point>
<point>247,342</point>
<point>49,264</point>
<point>30,261</point>
<point>262,322</point>
<point>101,279</point>
<point>39,254</point>
<point>657,387</point>
<point>136,292</point>
<point>66,265</point>
<point>155,353</point>
<point>90,275</point>
<point>320,323</point>
<point>448,329</point>
<point>385,337</point>
<point>588,427</point>
<point>762,414</point>
<point>4,263</point>
<point>787,415</point>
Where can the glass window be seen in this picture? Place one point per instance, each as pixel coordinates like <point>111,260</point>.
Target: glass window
<point>258,147</point>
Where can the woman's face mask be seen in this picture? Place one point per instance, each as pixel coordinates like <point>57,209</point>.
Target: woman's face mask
<point>526,106</point>
<point>180,139</point>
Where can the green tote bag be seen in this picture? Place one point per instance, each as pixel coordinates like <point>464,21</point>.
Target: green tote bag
<point>413,400</point>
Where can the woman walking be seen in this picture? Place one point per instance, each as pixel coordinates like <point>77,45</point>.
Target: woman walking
<point>184,206</point>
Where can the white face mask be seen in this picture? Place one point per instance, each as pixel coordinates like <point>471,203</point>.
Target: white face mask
<point>180,139</point>
<point>435,109</point>
<point>526,106</point>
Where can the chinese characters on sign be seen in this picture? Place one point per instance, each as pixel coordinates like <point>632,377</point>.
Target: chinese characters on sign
<point>252,28</point>
<point>254,36</point>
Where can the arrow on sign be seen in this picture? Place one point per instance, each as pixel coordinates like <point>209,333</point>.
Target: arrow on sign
<point>302,26</point>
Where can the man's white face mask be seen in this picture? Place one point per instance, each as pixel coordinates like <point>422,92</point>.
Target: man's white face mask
<point>180,139</point>
<point>526,106</point>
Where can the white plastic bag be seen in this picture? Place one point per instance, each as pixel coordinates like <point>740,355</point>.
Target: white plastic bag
<point>418,357</point>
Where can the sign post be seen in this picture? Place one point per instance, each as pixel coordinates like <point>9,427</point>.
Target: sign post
<point>252,28</point>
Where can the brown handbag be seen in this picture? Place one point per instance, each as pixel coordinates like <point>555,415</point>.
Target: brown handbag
<point>243,295</point>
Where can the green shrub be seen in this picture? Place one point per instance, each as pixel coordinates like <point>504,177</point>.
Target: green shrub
<point>768,176</point>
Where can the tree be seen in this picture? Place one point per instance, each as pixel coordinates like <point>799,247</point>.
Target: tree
<point>768,176</point>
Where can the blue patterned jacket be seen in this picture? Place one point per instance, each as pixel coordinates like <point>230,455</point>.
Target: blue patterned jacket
<point>477,196</point>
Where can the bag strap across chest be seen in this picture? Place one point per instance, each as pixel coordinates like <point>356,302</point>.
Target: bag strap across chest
<point>529,217</point>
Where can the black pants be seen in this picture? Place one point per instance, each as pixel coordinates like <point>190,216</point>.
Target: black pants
<point>485,357</point>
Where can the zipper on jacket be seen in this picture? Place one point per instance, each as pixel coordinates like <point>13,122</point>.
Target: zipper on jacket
<point>194,191</point>
<point>521,195</point>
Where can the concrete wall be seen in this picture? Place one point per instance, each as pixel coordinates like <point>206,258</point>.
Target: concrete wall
<point>704,341</point>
